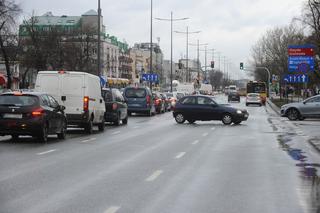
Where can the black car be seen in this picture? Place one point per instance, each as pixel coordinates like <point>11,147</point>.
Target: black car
<point>116,106</point>
<point>233,96</point>
<point>205,108</point>
<point>30,113</point>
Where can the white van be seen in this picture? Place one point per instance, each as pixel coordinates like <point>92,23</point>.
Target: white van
<point>79,92</point>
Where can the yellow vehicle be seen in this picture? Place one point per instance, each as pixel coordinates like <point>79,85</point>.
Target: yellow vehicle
<point>258,87</point>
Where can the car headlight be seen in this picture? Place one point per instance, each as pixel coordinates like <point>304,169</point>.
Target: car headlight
<point>239,111</point>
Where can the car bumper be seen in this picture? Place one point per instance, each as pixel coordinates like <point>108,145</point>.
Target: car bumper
<point>241,117</point>
<point>138,110</point>
<point>20,127</point>
<point>283,113</point>
<point>111,116</point>
<point>78,119</point>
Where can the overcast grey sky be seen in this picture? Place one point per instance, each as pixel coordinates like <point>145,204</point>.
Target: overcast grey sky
<point>229,26</point>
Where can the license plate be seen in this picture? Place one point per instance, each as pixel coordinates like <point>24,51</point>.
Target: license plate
<point>7,115</point>
<point>134,105</point>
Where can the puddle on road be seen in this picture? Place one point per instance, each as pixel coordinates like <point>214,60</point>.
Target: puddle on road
<point>307,171</point>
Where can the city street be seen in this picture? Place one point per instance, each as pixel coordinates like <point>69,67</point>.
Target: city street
<point>154,165</point>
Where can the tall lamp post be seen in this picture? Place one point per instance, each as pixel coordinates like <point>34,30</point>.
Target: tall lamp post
<point>187,50</point>
<point>171,21</point>
<point>151,45</point>
<point>99,40</point>
<point>198,55</point>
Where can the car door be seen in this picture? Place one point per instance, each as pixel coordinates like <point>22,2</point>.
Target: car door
<point>50,115</point>
<point>121,103</point>
<point>188,108</point>
<point>207,108</point>
<point>310,108</point>
<point>57,113</point>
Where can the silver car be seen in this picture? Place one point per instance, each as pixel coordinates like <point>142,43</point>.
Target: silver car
<point>309,108</point>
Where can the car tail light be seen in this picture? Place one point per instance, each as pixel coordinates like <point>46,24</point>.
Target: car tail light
<point>85,103</point>
<point>114,106</point>
<point>158,101</point>
<point>37,112</point>
<point>148,99</point>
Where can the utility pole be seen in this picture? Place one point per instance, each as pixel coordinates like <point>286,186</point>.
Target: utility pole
<point>151,45</point>
<point>198,55</point>
<point>187,52</point>
<point>99,39</point>
<point>171,58</point>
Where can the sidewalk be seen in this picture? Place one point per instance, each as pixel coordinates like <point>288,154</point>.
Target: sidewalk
<point>314,140</point>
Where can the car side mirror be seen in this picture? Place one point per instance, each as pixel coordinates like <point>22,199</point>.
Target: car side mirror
<point>62,108</point>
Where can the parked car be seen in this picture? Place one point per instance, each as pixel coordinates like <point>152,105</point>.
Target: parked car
<point>233,96</point>
<point>159,103</point>
<point>116,106</point>
<point>139,100</point>
<point>309,108</point>
<point>205,108</point>
<point>30,113</point>
<point>253,98</point>
<point>79,92</point>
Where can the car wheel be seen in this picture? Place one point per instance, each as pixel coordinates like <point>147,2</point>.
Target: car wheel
<point>237,122</point>
<point>227,119</point>
<point>89,127</point>
<point>129,113</point>
<point>125,121</point>
<point>43,136</point>
<point>301,118</point>
<point>191,121</point>
<point>180,118</point>
<point>63,132</point>
<point>293,114</point>
<point>101,126</point>
<point>14,137</point>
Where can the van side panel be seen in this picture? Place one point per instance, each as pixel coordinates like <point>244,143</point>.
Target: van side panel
<point>72,90</point>
<point>49,83</point>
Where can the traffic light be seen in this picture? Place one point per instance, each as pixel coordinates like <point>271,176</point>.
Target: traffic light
<point>241,65</point>
<point>212,64</point>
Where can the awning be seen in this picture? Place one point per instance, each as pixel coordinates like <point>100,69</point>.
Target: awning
<point>3,79</point>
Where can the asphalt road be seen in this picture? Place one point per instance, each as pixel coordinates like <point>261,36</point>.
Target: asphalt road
<point>153,165</point>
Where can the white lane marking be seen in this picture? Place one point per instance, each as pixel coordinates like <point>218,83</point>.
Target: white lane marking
<point>114,133</point>
<point>112,209</point>
<point>136,127</point>
<point>213,128</point>
<point>46,152</point>
<point>88,140</point>
<point>195,142</point>
<point>154,175</point>
<point>180,155</point>
<point>205,134</point>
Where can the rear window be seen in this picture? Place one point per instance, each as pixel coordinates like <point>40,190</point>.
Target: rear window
<point>107,94</point>
<point>135,93</point>
<point>14,100</point>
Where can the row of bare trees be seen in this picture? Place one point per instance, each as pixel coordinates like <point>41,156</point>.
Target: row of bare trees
<point>271,50</point>
<point>36,48</point>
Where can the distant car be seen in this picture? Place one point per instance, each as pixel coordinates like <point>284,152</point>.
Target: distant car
<point>116,106</point>
<point>34,114</point>
<point>159,103</point>
<point>205,108</point>
<point>309,108</point>
<point>139,100</point>
<point>233,96</point>
<point>253,98</point>
<point>167,102</point>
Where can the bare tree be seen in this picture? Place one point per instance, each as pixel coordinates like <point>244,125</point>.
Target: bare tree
<point>9,11</point>
<point>216,78</point>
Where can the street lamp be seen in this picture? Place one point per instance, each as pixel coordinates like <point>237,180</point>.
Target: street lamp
<point>99,40</point>
<point>171,20</point>
<point>187,46</point>
<point>198,60</point>
<point>151,18</point>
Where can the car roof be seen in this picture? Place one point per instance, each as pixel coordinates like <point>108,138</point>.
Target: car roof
<point>25,93</point>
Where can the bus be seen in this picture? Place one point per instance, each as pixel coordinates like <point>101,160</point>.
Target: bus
<point>258,87</point>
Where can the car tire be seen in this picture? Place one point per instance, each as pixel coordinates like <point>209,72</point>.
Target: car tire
<point>125,121</point>
<point>301,118</point>
<point>89,127</point>
<point>129,113</point>
<point>226,119</point>
<point>14,137</point>
<point>180,119</point>
<point>43,136</point>
<point>62,134</point>
<point>293,114</point>
<point>101,126</point>
<point>191,121</point>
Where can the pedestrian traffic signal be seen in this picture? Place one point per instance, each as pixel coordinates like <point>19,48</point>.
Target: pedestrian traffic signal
<point>212,64</point>
<point>241,65</point>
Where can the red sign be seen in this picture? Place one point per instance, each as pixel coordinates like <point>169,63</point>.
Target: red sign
<point>300,52</point>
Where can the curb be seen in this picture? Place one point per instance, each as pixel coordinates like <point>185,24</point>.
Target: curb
<point>273,107</point>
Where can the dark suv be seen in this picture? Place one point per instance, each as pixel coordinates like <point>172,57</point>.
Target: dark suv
<point>233,96</point>
<point>116,106</point>
<point>139,100</point>
<point>30,113</point>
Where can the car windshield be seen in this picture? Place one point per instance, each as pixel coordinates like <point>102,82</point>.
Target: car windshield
<point>135,93</point>
<point>18,100</point>
<point>107,94</point>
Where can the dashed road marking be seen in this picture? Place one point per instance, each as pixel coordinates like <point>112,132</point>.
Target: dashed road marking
<point>180,155</point>
<point>205,134</point>
<point>112,209</point>
<point>46,152</point>
<point>213,128</point>
<point>136,127</point>
<point>88,140</point>
<point>115,133</point>
<point>195,142</point>
<point>154,176</point>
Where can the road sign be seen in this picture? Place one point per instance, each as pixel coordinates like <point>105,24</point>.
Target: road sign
<point>301,58</point>
<point>150,77</point>
<point>298,78</point>
<point>301,50</point>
